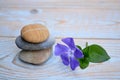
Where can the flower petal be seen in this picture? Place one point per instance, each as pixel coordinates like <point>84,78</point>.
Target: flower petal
<point>69,42</point>
<point>60,49</point>
<point>78,53</point>
<point>73,63</point>
<point>65,59</point>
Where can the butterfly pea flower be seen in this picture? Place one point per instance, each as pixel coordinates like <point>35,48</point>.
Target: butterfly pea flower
<point>68,52</point>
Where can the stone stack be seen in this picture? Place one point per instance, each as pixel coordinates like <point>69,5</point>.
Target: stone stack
<point>36,44</point>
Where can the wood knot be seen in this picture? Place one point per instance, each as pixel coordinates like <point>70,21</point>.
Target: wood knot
<point>34,11</point>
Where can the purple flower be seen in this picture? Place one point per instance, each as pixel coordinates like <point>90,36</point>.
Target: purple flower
<point>69,53</point>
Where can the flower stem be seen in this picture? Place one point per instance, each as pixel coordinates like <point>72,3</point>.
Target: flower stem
<point>86,44</point>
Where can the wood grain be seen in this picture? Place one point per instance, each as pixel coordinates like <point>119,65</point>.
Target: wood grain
<point>92,21</point>
<point>11,68</point>
<point>78,23</point>
<point>61,3</point>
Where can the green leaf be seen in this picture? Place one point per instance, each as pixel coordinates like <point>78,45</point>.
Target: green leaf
<point>83,63</point>
<point>96,53</point>
<point>86,51</point>
<point>79,47</point>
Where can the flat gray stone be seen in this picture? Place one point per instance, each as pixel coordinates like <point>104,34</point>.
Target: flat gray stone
<point>22,44</point>
<point>35,57</point>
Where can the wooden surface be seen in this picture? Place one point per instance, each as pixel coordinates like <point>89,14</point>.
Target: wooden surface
<point>92,21</point>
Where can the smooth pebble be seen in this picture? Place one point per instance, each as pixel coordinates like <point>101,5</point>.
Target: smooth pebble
<point>34,33</point>
<point>22,44</point>
<point>35,57</point>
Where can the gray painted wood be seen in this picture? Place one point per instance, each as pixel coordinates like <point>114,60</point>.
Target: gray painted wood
<point>11,68</point>
<point>92,21</point>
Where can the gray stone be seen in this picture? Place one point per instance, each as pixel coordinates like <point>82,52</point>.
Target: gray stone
<point>35,57</point>
<point>22,44</point>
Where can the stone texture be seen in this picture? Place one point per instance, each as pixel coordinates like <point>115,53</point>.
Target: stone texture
<point>22,44</point>
<point>35,57</point>
<point>34,33</point>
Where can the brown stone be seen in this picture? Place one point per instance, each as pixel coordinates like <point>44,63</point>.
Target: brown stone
<point>35,57</point>
<point>34,33</point>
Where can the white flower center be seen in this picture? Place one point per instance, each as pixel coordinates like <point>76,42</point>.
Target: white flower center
<point>71,53</point>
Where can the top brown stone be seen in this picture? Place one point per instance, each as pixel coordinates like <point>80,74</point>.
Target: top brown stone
<point>34,33</point>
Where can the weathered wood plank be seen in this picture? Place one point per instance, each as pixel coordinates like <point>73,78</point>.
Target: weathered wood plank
<point>92,21</point>
<point>61,3</point>
<point>58,1</point>
<point>12,68</point>
<point>79,23</point>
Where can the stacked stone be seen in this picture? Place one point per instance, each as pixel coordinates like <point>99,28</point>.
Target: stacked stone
<point>36,44</point>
